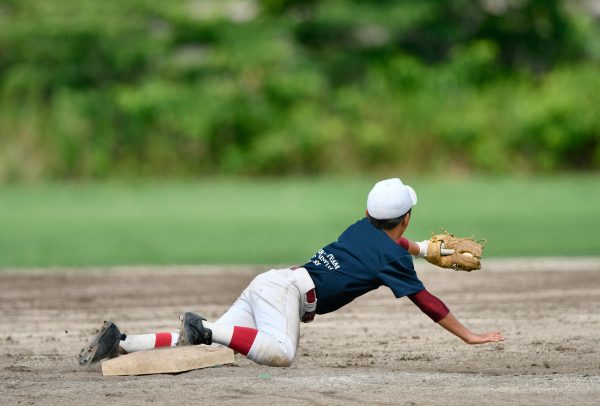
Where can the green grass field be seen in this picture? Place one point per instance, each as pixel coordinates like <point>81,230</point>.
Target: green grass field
<point>280,221</point>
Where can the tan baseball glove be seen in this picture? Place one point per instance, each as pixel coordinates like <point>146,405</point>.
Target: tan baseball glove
<point>466,255</point>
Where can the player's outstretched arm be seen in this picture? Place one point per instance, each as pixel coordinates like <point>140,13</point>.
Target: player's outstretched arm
<point>419,249</point>
<point>454,326</point>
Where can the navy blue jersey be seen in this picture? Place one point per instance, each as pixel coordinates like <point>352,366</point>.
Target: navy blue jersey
<point>362,259</point>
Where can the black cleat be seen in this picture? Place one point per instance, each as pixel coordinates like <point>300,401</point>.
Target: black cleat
<point>104,344</point>
<point>192,332</point>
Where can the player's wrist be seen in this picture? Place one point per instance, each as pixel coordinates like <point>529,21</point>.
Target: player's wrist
<point>470,338</point>
<point>422,248</point>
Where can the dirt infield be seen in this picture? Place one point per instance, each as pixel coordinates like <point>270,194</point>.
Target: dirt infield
<point>377,350</point>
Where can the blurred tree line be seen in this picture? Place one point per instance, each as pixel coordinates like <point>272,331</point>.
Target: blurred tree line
<point>100,88</point>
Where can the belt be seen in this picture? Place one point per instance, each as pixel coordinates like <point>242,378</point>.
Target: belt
<point>310,306</point>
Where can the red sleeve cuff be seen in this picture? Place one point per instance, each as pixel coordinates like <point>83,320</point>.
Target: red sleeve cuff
<point>430,305</point>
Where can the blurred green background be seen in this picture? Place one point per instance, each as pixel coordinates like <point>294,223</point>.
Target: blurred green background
<point>280,221</point>
<point>246,131</point>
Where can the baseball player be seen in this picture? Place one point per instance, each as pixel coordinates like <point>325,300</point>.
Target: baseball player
<point>264,322</point>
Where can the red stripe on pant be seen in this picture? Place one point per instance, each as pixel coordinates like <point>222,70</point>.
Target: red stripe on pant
<point>162,340</point>
<point>242,339</point>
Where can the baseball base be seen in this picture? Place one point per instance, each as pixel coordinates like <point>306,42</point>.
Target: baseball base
<point>168,361</point>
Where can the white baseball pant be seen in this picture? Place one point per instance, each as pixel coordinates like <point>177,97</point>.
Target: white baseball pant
<point>263,323</point>
<point>273,304</point>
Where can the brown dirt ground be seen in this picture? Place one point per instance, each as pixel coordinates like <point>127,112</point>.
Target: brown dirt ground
<point>377,350</point>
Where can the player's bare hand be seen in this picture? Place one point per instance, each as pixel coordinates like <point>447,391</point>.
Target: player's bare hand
<point>491,337</point>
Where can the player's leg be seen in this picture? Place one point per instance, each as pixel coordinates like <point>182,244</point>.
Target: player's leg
<point>240,314</point>
<point>231,329</point>
<point>142,342</point>
<point>234,329</point>
<point>273,301</point>
<point>109,342</point>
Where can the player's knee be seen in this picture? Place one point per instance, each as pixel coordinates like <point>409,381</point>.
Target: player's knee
<point>280,359</point>
<point>281,355</point>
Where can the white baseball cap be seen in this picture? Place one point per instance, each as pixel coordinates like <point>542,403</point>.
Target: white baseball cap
<point>389,199</point>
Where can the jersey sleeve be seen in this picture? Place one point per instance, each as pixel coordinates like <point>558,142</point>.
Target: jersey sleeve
<point>400,276</point>
<point>430,305</point>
